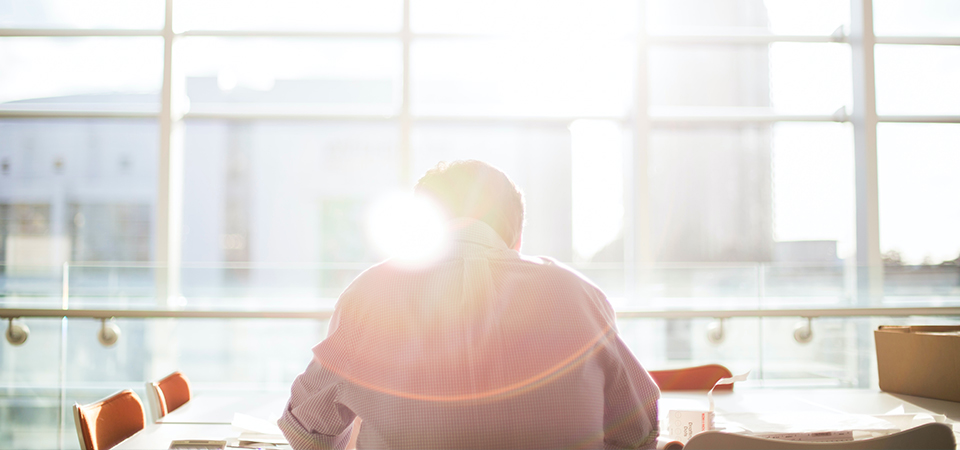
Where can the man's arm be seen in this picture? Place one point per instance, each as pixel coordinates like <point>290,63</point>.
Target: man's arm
<point>630,395</point>
<point>630,401</point>
<point>314,417</point>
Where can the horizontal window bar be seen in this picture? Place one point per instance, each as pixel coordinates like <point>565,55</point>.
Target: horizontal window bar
<point>292,34</point>
<point>697,39</point>
<point>75,32</point>
<point>215,265</point>
<point>71,112</point>
<point>919,118</point>
<point>693,38</point>
<point>512,119</point>
<point>240,113</point>
<point>829,312</point>
<point>278,114</point>
<point>917,40</point>
<point>653,314</point>
<point>100,32</point>
<point>667,114</point>
<point>695,116</point>
<point>161,313</point>
<point>738,118</point>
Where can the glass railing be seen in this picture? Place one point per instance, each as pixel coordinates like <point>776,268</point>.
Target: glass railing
<point>249,327</point>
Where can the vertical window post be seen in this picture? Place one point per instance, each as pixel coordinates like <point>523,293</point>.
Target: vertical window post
<point>864,118</point>
<point>169,219</point>
<point>406,153</point>
<point>638,253</point>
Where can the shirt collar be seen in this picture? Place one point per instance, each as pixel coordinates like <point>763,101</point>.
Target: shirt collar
<point>473,231</point>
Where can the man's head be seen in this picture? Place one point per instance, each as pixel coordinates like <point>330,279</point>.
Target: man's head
<point>478,190</point>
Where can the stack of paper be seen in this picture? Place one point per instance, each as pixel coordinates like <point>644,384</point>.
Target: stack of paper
<point>257,433</point>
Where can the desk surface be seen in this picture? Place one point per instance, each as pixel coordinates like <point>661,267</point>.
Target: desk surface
<point>209,416</point>
<point>768,400</point>
<point>157,436</point>
<point>214,409</point>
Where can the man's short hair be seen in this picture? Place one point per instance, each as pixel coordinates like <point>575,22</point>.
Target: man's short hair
<point>478,190</point>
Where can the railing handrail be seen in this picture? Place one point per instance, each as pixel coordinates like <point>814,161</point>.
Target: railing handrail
<point>839,264</point>
<point>14,313</point>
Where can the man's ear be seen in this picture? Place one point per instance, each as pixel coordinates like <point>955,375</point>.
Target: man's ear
<point>519,241</point>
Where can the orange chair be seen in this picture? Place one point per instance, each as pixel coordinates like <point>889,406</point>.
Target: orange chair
<point>168,394</point>
<point>106,423</point>
<point>692,378</point>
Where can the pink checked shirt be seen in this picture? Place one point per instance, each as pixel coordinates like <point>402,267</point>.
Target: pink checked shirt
<point>485,349</point>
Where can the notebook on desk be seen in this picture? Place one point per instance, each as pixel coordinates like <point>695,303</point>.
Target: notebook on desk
<point>197,444</point>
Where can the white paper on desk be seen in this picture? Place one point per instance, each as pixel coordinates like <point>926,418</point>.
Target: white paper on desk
<point>904,420</point>
<point>255,424</point>
<point>729,380</point>
<point>683,424</point>
<point>260,438</point>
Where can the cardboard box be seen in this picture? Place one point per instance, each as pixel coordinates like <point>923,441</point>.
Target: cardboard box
<point>919,360</point>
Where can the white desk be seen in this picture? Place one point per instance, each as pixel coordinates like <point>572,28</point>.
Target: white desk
<point>209,416</point>
<point>213,409</point>
<point>834,401</point>
<point>157,436</point>
<point>851,401</point>
<point>206,416</point>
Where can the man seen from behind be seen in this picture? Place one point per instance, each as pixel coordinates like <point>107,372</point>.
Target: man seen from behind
<point>483,348</point>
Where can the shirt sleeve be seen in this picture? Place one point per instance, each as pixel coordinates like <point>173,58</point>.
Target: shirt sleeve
<point>630,401</point>
<point>315,417</point>
<point>630,416</point>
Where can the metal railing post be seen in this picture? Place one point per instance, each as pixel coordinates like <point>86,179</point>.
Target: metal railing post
<point>64,305</point>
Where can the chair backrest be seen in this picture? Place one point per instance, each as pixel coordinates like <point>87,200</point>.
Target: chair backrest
<point>933,436</point>
<point>692,378</point>
<point>170,393</point>
<point>106,423</point>
<point>154,399</point>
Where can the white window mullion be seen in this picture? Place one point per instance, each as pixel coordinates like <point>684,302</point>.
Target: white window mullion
<point>638,254</point>
<point>169,218</point>
<point>864,118</point>
<point>406,122</point>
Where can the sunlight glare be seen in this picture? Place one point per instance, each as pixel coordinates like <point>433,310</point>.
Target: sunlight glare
<point>597,184</point>
<point>409,229</point>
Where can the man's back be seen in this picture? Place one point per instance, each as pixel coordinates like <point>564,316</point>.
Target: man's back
<point>484,349</point>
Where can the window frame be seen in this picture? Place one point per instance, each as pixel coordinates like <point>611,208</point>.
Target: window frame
<point>637,252</point>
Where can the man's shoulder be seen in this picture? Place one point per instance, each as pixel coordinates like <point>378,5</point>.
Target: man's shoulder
<point>518,267</point>
<point>374,275</point>
<point>551,269</point>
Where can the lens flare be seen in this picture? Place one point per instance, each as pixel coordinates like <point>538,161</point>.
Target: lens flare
<point>408,229</point>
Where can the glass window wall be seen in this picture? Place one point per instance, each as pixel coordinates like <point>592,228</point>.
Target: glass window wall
<point>694,155</point>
